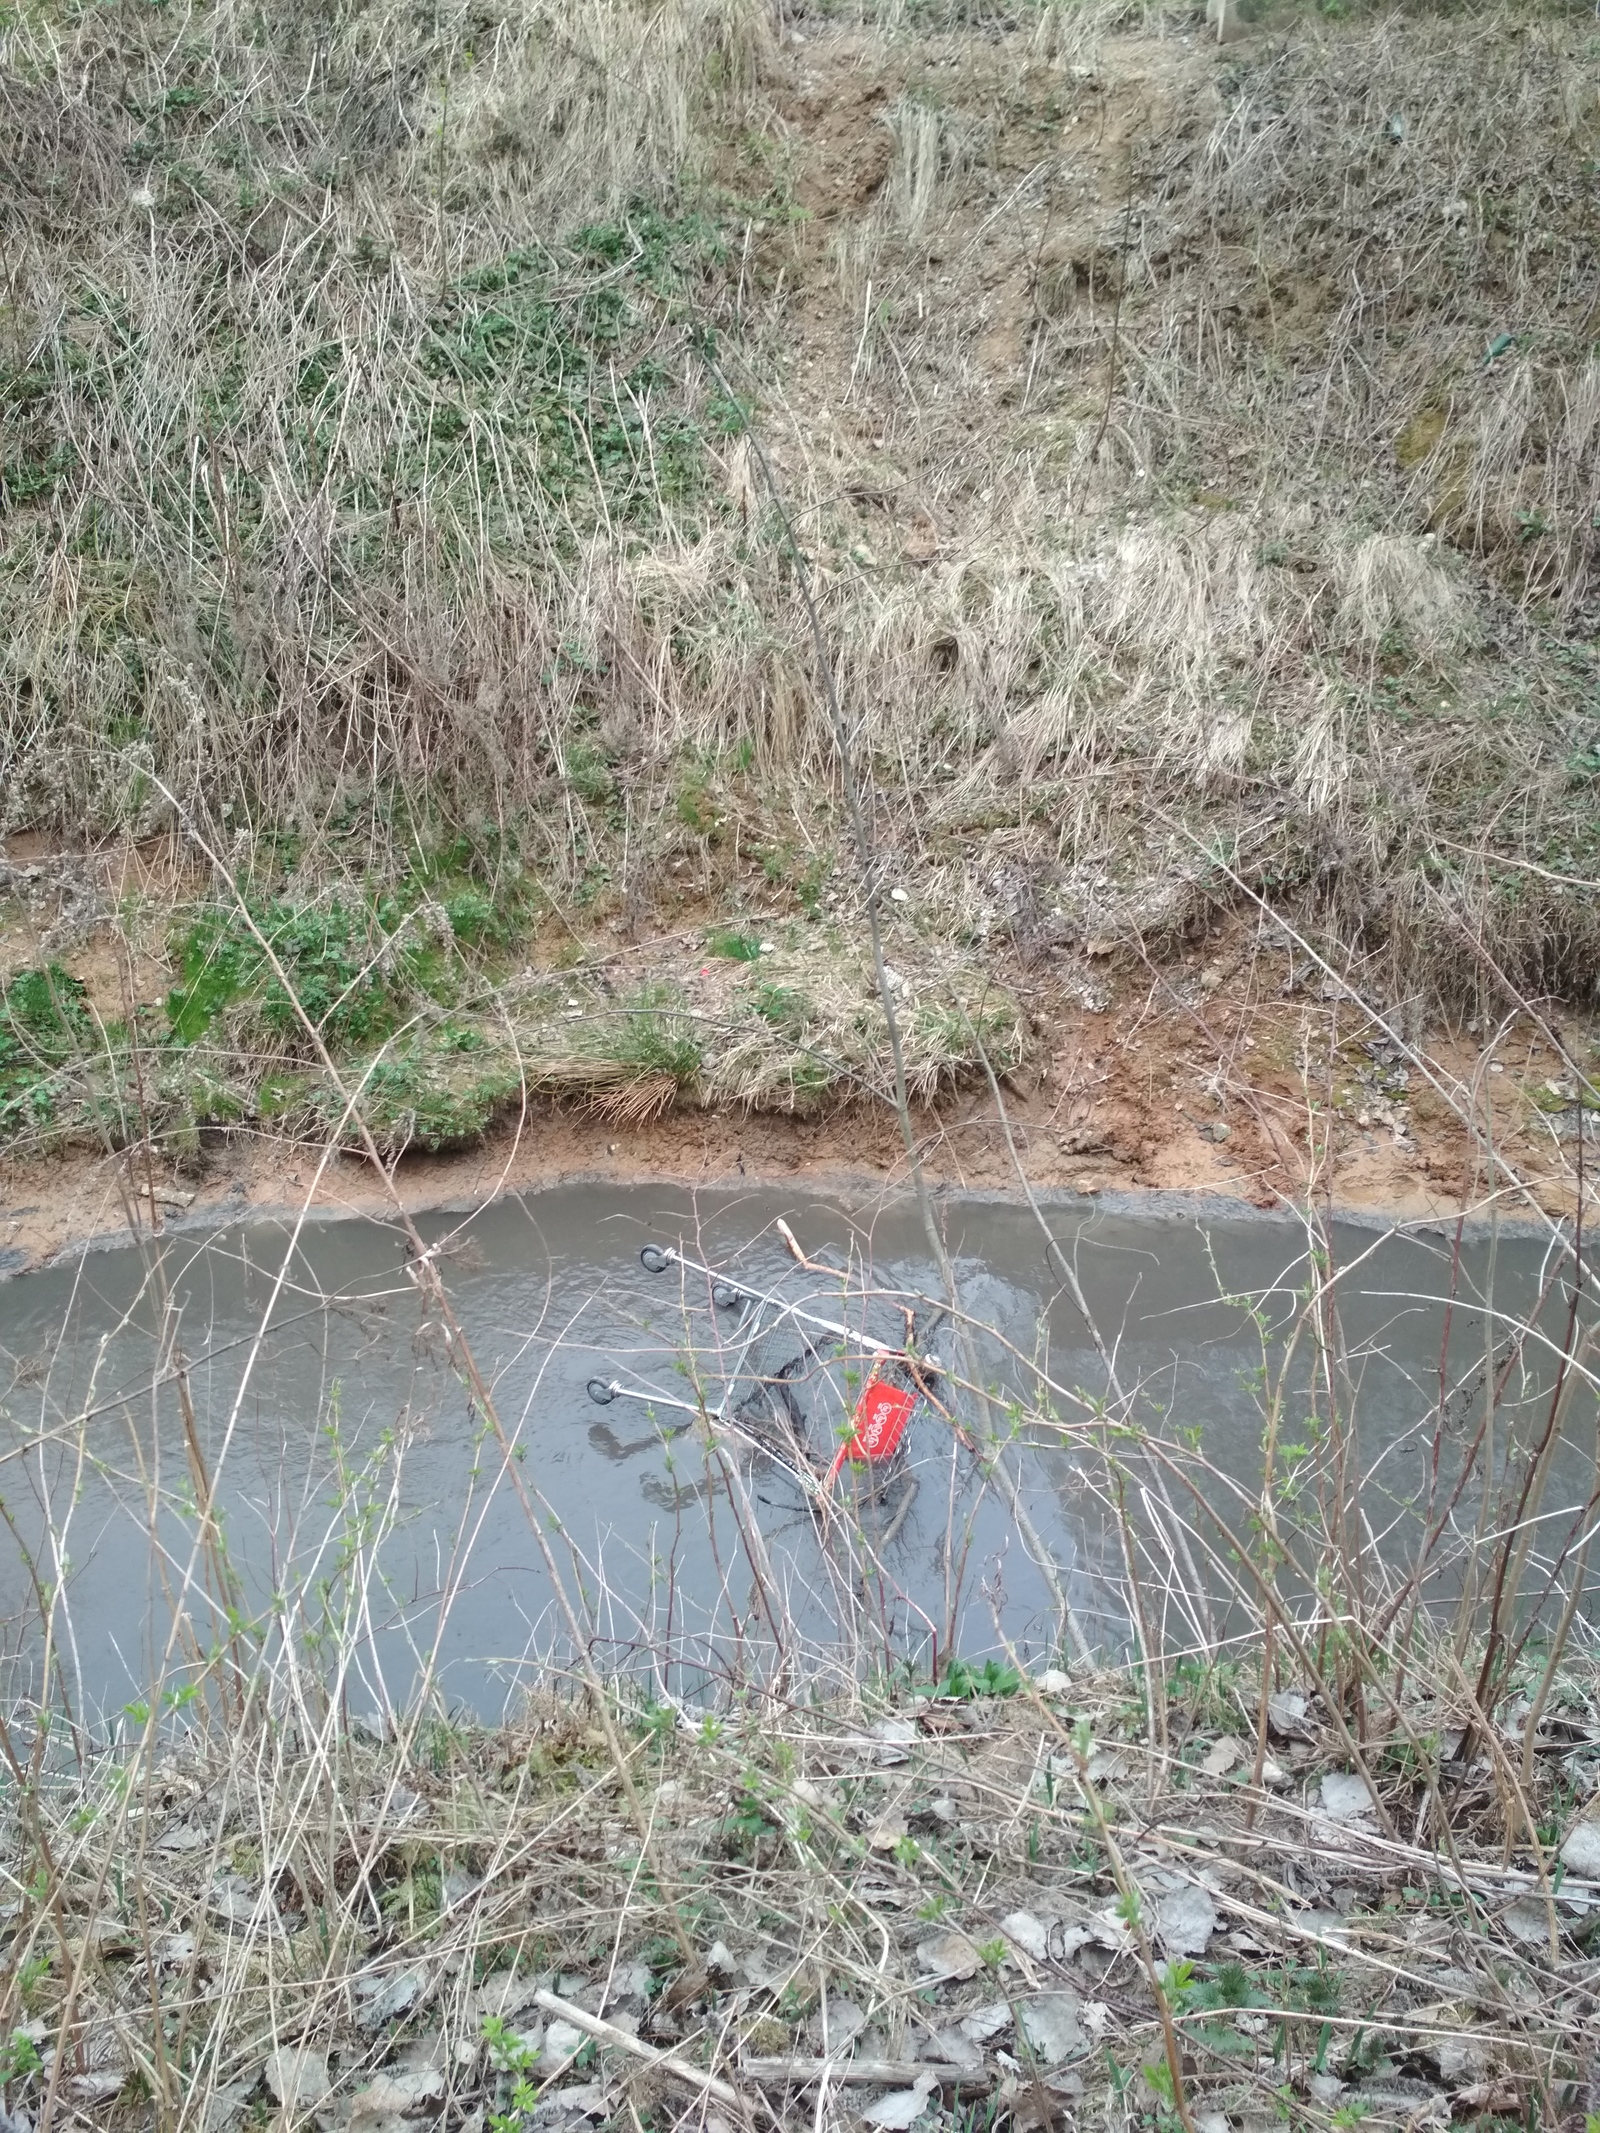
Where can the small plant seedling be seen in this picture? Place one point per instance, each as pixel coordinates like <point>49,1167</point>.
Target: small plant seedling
<point>962,1679</point>
<point>513,2058</point>
<point>783,1006</point>
<point>19,2057</point>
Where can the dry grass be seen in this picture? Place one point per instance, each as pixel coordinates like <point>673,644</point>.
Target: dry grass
<point>365,1923</point>
<point>1148,412</point>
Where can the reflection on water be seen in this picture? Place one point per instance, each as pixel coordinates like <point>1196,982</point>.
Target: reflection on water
<point>356,1491</point>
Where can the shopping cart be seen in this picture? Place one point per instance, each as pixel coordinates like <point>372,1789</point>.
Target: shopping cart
<point>796,1384</point>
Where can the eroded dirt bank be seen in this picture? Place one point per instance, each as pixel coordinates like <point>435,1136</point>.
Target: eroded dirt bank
<point>1228,1075</point>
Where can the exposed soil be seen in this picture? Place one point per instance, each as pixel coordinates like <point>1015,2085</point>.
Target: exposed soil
<point>1226,1074</point>
<point>835,107</point>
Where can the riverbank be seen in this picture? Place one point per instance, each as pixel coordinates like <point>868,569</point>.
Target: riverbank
<point>993,1901</point>
<point>1230,1073</point>
<point>1320,1856</point>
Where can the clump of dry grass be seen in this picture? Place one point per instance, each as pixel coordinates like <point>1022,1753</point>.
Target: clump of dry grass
<point>269,430</point>
<point>1221,544</point>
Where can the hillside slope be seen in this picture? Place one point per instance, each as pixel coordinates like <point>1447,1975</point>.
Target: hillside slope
<point>1191,452</point>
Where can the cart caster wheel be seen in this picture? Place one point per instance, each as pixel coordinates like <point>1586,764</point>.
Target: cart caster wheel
<point>601,1392</point>
<point>725,1297</point>
<point>653,1259</point>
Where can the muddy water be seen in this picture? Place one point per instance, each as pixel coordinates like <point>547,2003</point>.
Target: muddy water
<point>357,1491</point>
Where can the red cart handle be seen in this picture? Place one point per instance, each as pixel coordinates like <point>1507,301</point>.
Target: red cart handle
<point>880,1419</point>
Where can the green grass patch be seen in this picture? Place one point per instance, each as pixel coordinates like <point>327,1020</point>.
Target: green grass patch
<point>45,1027</point>
<point>356,960</point>
<point>968,1682</point>
<point>735,947</point>
<point>785,1007</point>
<point>434,1095</point>
<point>348,967</point>
<point>656,1033</point>
<point>589,773</point>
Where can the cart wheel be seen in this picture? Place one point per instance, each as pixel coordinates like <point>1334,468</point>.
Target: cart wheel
<point>653,1259</point>
<point>725,1296</point>
<point>601,1393</point>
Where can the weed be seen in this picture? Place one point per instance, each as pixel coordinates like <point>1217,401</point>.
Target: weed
<point>750,1826</point>
<point>337,969</point>
<point>589,773</point>
<point>697,810</point>
<point>735,947</point>
<point>423,1097</point>
<point>19,2057</point>
<point>1209,1689</point>
<point>963,1680</point>
<point>45,1026</point>
<point>474,920</point>
<point>655,1033</point>
<point>785,1007</point>
<point>513,2059</point>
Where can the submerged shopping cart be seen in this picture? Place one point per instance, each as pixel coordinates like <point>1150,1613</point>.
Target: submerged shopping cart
<point>797,1385</point>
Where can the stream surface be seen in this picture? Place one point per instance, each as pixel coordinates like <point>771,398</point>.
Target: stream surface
<point>357,1488</point>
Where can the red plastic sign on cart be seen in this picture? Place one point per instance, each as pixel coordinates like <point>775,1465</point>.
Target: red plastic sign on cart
<point>880,1419</point>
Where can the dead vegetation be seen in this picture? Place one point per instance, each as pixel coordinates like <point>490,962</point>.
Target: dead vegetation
<point>938,1912</point>
<point>1192,448</point>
